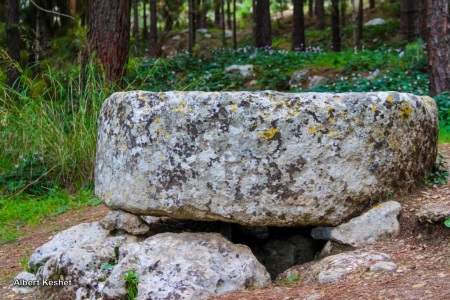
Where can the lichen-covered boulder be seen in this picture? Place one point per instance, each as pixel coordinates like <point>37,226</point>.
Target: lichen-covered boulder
<point>84,233</point>
<point>336,267</point>
<point>262,158</point>
<point>377,224</point>
<point>186,266</point>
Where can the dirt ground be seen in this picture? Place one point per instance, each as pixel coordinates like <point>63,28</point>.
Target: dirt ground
<point>421,252</point>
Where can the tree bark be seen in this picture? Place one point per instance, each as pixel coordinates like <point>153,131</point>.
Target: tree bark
<point>320,14</point>
<point>360,22</point>
<point>356,41</point>
<point>335,32</point>
<point>191,25</point>
<point>224,40</point>
<point>414,20</point>
<point>234,26</point>
<point>298,30</point>
<point>310,8</point>
<point>153,39</point>
<point>203,14</point>
<point>342,13</point>
<point>144,25</point>
<point>109,34</point>
<point>12,39</point>
<point>438,44</point>
<point>229,25</point>
<point>262,32</point>
<point>372,4</point>
<point>217,14</point>
<point>136,25</point>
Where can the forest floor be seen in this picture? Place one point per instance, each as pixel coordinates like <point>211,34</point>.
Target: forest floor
<point>421,252</point>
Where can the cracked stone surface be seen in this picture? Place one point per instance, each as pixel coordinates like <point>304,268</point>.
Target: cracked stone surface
<point>263,158</point>
<point>186,266</point>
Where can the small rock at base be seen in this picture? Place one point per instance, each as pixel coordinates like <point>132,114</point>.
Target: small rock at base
<point>383,266</point>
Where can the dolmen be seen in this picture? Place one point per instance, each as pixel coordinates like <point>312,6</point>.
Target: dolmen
<point>253,162</point>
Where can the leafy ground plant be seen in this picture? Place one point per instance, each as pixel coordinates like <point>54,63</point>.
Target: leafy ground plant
<point>131,282</point>
<point>439,174</point>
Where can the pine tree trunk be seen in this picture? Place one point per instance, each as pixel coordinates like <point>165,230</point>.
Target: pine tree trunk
<point>136,25</point>
<point>360,22</point>
<point>224,40</point>
<point>217,15</point>
<point>410,19</point>
<point>153,40</point>
<point>310,8</point>
<point>298,30</point>
<point>109,34</point>
<point>372,4</point>
<point>191,25</point>
<point>262,31</point>
<point>234,26</point>
<point>203,14</point>
<point>12,39</point>
<point>335,32</point>
<point>144,25</point>
<point>356,41</point>
<point>342,13</point>
<point>320,14</point>
<point>438,45</point>
<point>229,25</point>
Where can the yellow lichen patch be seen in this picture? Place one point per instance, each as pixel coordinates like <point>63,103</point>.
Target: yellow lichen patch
<point>162,158</point>
<point>265,116</point>
<point>342,115</point>
<point>393,143</point>
<point>389,99</point>
<point>179,109</point>
<point>269,134</point>
<point>377,207</point>
<point>331,120</point>
<point>405,111</point>
<point>233,108</point>
<point>167,136</point>
<point>374,107</point>
<point>157,119</point>
<point>333,134</point>
<point>357,121</point>
<point>313,129</point>
<point>159,130</point>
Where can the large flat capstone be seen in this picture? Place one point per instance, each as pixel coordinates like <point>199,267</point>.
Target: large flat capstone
<point>262,158</point>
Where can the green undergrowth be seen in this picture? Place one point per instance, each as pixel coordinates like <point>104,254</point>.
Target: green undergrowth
<point>30,210</point>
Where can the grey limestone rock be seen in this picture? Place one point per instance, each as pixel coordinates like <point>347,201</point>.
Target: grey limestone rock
<point>376,21</point>
<point>263,158</point>
<point>383,266</point>
<point>298,77</point>
<point>67,239</point>
<point>83,266</point>
<point>121,220</point>
<point>245,71</point>
<point>335,267</point>
<point>376,224</point>
<point>24,283</point>
<point>315,81</point>
<point>186,266</point>
<point>434,212</point>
